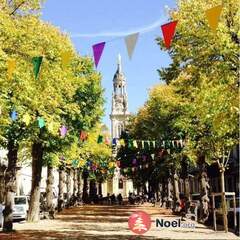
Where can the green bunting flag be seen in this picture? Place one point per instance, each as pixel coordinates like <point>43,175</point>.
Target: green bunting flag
<point>100,139</point>
<point>130,143</point>
<point>37,61</point>
<point>75,163</point>
<point>41,122</point>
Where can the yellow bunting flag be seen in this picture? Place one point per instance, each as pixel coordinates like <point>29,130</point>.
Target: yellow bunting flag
<point>26,119</point>
<point>122,142</point>
<point>66,58</point>
<point>11,65</point>
<point>213,15</point>
<point>111,164</point>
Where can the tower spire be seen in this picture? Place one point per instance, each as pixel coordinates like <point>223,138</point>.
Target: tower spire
<point>119,63</point>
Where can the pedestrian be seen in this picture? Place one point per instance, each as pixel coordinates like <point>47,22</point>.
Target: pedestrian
<point>113,199</point>
<point>182,208</point>
<point>119,198</point>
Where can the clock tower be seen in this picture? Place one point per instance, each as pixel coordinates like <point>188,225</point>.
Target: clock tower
<point>119,114</point>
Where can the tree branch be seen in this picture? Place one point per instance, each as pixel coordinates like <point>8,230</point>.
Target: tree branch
<point>16,8</point>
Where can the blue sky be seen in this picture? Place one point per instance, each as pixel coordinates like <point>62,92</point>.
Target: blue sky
<point>89,22</point>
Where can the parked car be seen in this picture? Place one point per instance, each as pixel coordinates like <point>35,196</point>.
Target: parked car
<point>20,207</point>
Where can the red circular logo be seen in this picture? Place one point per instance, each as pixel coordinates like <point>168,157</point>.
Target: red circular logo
<point>139,222</point>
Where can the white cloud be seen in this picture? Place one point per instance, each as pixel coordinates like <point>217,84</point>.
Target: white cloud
<point>120,33</point>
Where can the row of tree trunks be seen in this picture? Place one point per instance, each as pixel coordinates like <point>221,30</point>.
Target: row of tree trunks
<point>37,164</point>
<point>171,190</point>
<point>10,185</point>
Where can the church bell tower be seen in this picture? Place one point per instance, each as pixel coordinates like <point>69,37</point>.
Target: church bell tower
<point>119,114</point>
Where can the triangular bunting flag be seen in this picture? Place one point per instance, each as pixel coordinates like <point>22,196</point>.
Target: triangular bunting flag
<point>168,31</point>
<point>97,52</point>
<point>130,42</point>
<point>135,144</point>
<point>51,127</point>
<point>14,115</point>
<point>114,141</point>
<point>41,122</point>
<point>37,61</point>
<point>75,163</point>
<point>107,140</point>
<point>83,136</point>
<point>26,119</point>
<point>122,142</point>
<point>63,131</point>
<point>66,58</point>
<point>130,143</point>
<point>100,139</point>
<point>11,65</point>
<point>181,142</point>
<point>213,15</point>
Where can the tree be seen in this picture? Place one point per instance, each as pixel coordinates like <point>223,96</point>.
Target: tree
<point>45,99</point>
<point>204,71</point>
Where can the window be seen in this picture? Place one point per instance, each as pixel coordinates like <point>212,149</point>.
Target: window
<point>120,184</point>
<point>119,130</point>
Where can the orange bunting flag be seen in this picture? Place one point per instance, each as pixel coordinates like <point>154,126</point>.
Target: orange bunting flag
<point>213,15</point>
<point>11,65</point>
<point>168,31</point>
<point>83,136</point>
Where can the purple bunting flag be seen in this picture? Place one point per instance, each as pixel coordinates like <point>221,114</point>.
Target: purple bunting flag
<point>97,52</point>
<point>63,131</point>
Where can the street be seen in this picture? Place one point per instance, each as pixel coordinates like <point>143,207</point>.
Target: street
<point>108,222</point>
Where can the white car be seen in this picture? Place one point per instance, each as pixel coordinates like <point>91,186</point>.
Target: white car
<point>20,207</point>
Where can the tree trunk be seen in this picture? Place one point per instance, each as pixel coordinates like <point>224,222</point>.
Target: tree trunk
<point>85,187</point>
<point>2,185</point>
<point>75,182</point>
<point>10,185</point>
<point>204,189</point>
<point>37,163</point>
<point>79,183</point>
<point>68,184</point>
<point>224,206</point>
<point>61,188</point>
<point>49,187</point>
<point>100,188</point>
<point>169,193</point>
<point>176,198</point>
<point>92,191</point>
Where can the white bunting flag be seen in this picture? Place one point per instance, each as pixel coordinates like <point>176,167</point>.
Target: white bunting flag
<point>131,41</point>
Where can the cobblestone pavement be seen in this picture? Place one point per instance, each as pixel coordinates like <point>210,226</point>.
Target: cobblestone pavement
<point>107,222</point>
